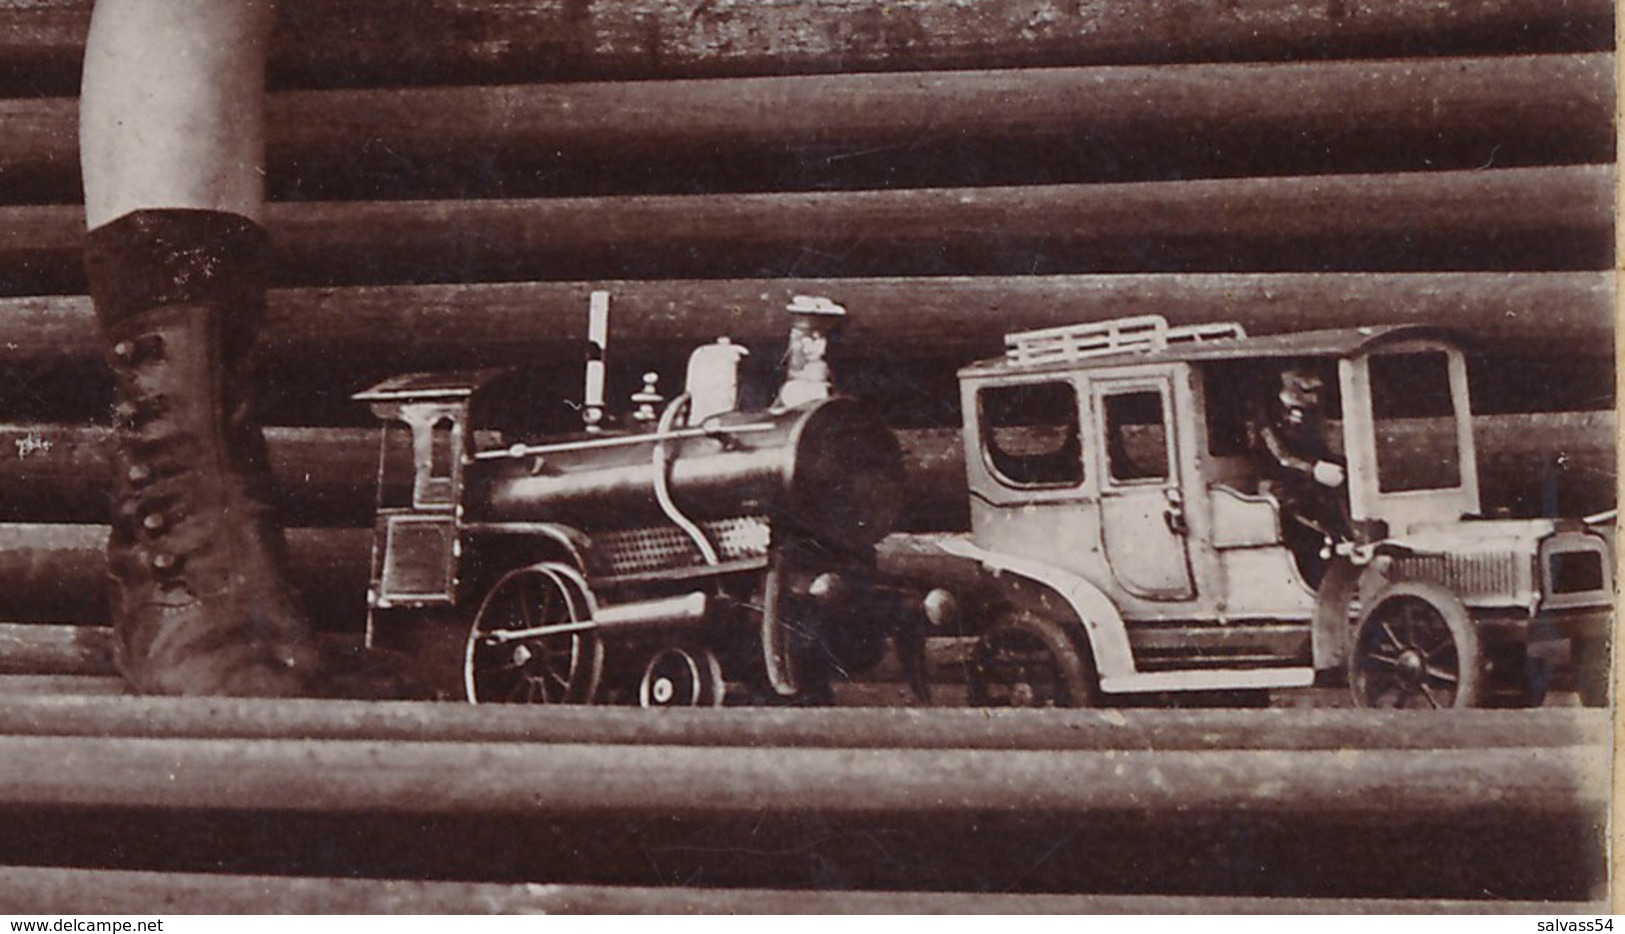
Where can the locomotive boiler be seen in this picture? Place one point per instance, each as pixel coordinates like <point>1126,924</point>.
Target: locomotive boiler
<point>692,557</point>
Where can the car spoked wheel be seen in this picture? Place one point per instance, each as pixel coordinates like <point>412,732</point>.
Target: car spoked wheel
<point>529,643</point>
<point>1416,648</point>
<point>1028,661</point>
<point>682,677</point>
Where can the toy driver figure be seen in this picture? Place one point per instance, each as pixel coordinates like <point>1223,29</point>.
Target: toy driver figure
<point>807,376</point>
<point>1296,465</point>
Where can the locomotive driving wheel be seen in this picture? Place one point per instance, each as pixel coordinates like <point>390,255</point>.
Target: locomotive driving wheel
<point>1026,660</point>
<point>679,676</point>
<point>522,648</point>
<point>1416,647</point>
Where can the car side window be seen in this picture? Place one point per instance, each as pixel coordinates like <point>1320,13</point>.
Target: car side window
<point>1136,435</point>
<point>1030,433</point>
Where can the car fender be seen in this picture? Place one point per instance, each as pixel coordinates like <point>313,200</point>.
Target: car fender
<point>1331,628</point>
<point>1101,622</point>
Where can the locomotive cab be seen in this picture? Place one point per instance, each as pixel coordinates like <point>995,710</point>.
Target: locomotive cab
<point>415,550</point>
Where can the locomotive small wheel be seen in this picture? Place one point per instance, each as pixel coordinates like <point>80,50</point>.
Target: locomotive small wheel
<point>551,669</point>
<point>1026,660</point>
<point>1416,647</point>
<point>682,677</point>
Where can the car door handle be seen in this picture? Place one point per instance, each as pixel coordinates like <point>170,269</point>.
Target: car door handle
<point>1174,515</point>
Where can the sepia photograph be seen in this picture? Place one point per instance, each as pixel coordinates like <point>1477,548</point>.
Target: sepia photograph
<point>791,457</point>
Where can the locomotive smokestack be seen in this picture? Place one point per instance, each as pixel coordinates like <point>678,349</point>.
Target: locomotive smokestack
<point>592,408</point>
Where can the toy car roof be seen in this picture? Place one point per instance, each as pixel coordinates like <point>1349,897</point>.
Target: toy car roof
<point>1149,338</point>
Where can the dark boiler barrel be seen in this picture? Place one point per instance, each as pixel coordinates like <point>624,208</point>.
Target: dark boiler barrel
<point>831,470</point>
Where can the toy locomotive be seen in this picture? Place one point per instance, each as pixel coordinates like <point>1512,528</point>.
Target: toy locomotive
<point>696,554</point>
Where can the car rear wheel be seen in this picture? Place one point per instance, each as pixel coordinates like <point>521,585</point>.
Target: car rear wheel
<point>1026,660</point>
<point>1416,647</point>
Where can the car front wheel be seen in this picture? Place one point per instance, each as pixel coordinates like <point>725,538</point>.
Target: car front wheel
<point>1416,647</point>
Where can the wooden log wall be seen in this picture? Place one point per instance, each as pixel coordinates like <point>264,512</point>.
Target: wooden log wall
<point>452,177</point>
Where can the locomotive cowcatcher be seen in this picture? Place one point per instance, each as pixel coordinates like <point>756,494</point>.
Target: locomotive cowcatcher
<point>677,561</point>
<point>1119,502</point>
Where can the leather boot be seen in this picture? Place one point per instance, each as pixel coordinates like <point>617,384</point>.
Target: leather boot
<point>200,594</point>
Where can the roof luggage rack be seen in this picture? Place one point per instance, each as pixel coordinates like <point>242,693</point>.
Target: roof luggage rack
<point>1137,334</point>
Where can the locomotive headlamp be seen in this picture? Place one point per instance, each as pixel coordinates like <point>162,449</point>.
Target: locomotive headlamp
<point>941,609</point>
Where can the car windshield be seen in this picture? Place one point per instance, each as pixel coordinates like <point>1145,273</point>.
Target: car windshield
<point>1417,446</point>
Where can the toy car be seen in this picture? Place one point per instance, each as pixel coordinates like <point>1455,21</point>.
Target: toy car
<point>1119,497</point>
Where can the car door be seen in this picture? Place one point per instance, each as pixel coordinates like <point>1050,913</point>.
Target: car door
<point>1143,527</point>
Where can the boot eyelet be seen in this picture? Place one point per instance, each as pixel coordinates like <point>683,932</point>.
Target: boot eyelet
<point>164,561</point>
<point>154,521</point>
<point>142,412</point>
<point>141,350</point>
<point>138,473</point>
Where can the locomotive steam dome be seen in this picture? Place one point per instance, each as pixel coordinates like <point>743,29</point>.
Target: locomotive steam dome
<point>830,470</point>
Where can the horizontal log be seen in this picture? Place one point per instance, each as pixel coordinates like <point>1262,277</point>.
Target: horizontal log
<point>665,781</point>
<point>328,476</point>
<point>38,648</point>
<point>380,42</point>
<point>354,331</point>
<point>58,572</point>
<point>1547,464</point>
<point>47,685</point>
<point>1549,333</point>
<point>1511,219</point>
<point>853,728</point>
<point>1529,465</point>
<point>48,890</point>
<point>520,827</point>
<point>897,130</point>
<point>58,472</point>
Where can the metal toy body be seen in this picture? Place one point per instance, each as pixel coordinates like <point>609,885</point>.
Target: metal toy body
<point>680,562</point>
<point>1115,496</point>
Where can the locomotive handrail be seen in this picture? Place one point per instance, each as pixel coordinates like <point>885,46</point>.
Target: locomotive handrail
<point>678,409</point>
<point>701,431</point>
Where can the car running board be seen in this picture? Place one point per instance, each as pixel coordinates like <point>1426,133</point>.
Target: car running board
<point>1211,680</point>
